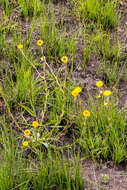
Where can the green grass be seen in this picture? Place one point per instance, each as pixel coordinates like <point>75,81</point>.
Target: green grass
<point>102,12</point>
<point>20,171</point>
<point>103,134</point>
<point>36,85</point>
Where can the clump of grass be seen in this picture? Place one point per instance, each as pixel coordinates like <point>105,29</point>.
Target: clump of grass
<point>101,12</point>
<point>21,86</point>
<point>52,171</point>
<point>87,50</point>
<point>57,45</point>
<point>105,130</point>
<point>5,5</point>
<point>59,174</point>
<point>31,8</point>
<point>112,73</point>
<point>106,47</point>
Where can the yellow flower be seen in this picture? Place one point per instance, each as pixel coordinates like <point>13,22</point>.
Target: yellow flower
<point>98,96</point>
<point>27,132</point>
<point>43,138</point>
<point>40,42</point>
<point>107,93</point>
<point>64,59</point>
<point>35,124</point>
<point>86,113</point>
<point>99,83</point>
<point>105,103</point>
<point>76,91</point>
<point>25,143</point>
<point>43,58</point>
<point>19,46</point>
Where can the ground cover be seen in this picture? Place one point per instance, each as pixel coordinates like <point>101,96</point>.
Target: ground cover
<point>63,96</point>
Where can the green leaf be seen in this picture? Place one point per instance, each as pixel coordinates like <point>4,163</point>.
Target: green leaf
<point>29,110</point>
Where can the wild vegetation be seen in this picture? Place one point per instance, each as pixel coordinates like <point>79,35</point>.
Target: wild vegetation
<point>62,82</point>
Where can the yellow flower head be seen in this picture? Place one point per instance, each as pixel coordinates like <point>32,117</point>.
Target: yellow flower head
<point>19,46</point>
<point>76,91</point>
<point>86,113</point>
<point>40,42</point>
<point>27,132</point>
<point>107,93</point>
<point>105,103</point>
<point>98,96</point>
<point>64,59</point>
<point>99,83</point>
<point>25,143</point>
<point>43,138</point>
<point>43,58</point>
<point>35,124</point>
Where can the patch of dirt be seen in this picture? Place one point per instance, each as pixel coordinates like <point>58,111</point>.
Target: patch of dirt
<point>105,177</point>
